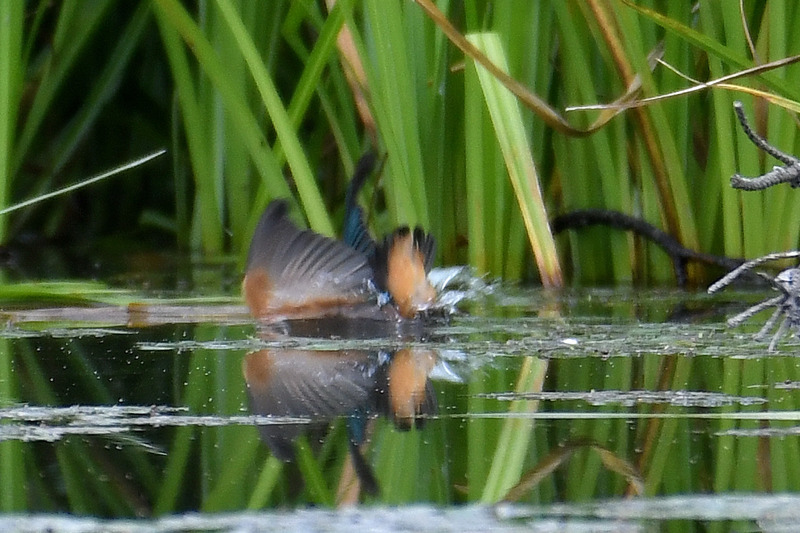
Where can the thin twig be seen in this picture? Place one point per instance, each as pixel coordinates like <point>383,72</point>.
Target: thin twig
<point>759,141</point>
<point>788,174</point>
<point>750,311</point>
<point>89,181</point>
<point>778,334</point>
<point>735,273</point>
<point>770,323</point>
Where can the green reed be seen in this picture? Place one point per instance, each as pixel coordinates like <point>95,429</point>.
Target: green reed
<point>267,101</point>
<point>588,172</point>
<point>10,62</point>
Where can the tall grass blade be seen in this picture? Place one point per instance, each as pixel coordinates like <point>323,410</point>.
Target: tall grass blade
<point>196,134</point>
<point>507,120</point>
<point>105,87</point>
<point>11,18</point>
<point>301,171</point>
<point>319,58</point>
<point>173,17</point>
<point>395,105</point>
<point>75,25</point>
<point>708,42</point>
<point>479,163</point>
<point>496,70</point>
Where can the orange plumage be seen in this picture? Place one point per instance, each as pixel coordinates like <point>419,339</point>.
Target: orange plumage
<point>406,275</point>
<point>294,273</point>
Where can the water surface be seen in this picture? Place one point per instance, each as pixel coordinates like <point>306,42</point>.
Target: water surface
<point>597,409</point>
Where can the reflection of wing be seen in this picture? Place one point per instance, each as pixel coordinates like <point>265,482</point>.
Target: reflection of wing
<point>293,271</point>
<point>321,385</point>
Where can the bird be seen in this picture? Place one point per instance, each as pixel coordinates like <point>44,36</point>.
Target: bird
<point>356,287</point>
<point>401,262</point>
<point>294,273</point>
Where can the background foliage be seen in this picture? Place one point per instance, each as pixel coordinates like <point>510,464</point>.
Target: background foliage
<point>257,100</point>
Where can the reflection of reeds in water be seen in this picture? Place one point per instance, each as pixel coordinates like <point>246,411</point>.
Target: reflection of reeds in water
<point>244,105</point>
<point>561,449</point>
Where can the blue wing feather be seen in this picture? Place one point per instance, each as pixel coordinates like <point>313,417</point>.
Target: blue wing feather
<point>356,234</point>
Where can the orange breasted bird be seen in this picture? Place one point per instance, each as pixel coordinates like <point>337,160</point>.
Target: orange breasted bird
<point>401,262</point>
<point>294,273</point>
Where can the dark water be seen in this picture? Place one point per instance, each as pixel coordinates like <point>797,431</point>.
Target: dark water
<point>601,410</point>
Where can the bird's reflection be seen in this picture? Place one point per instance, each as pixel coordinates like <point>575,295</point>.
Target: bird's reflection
<point>325,385</point>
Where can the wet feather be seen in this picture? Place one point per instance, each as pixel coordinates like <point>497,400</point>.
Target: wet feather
<point>290,270</point>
